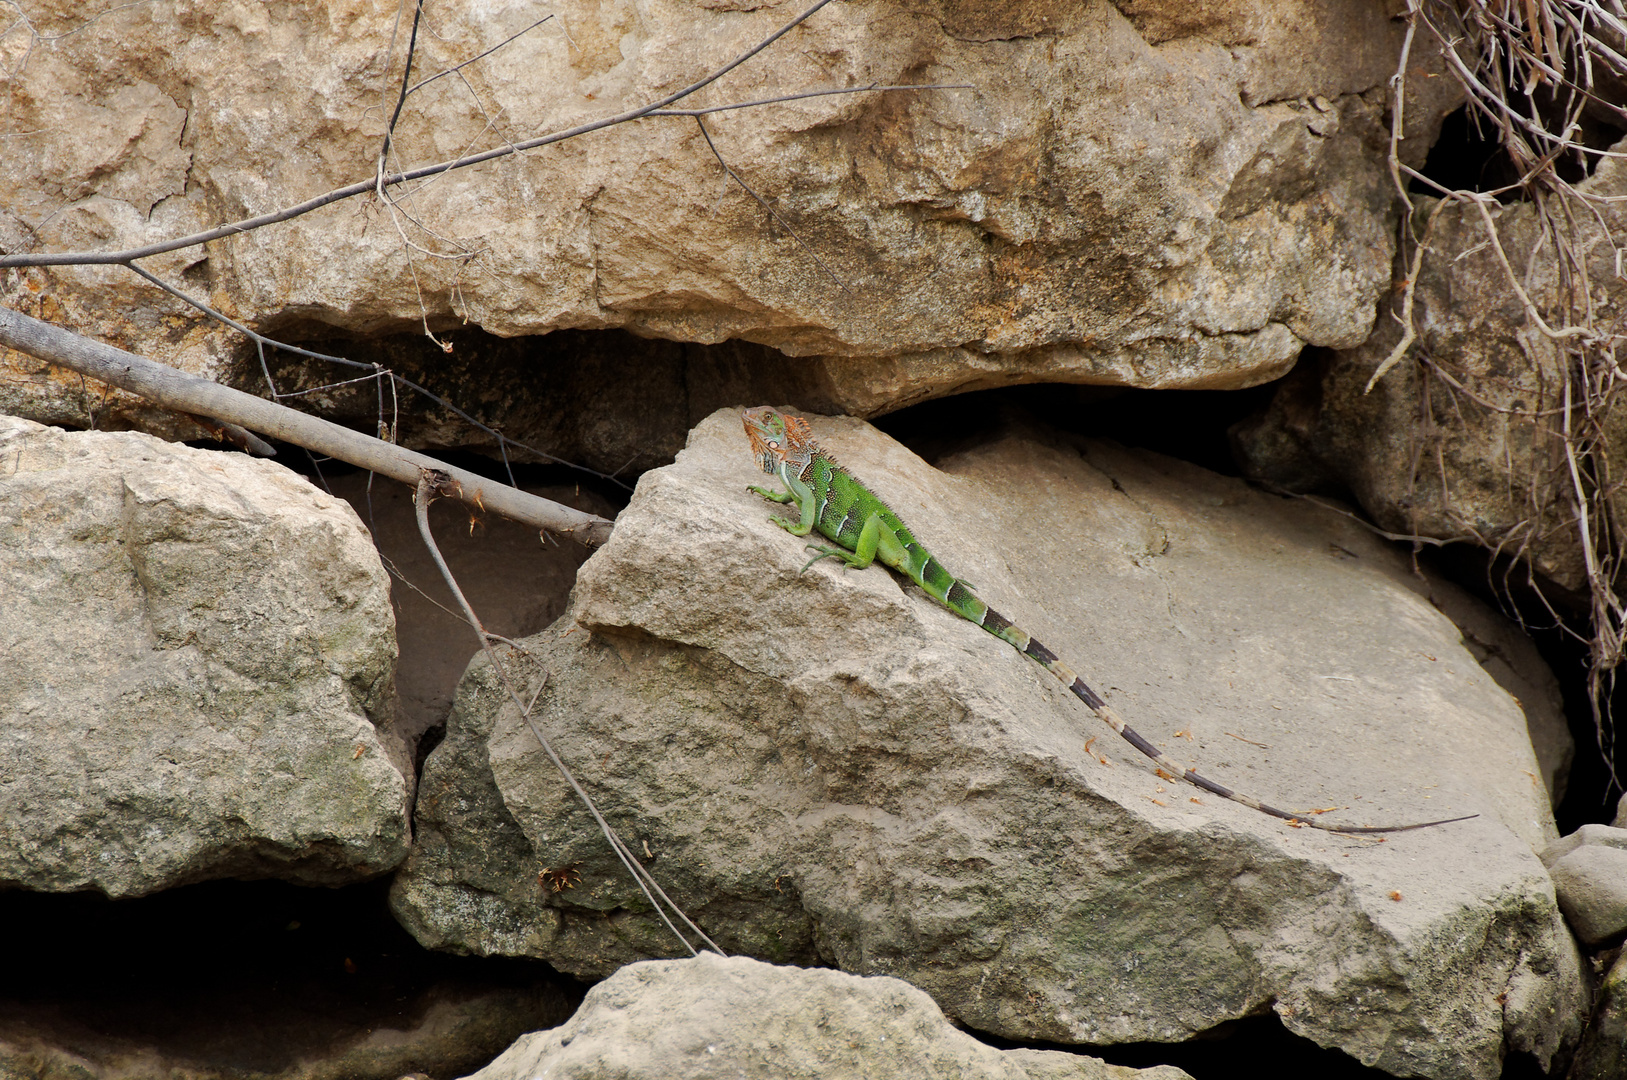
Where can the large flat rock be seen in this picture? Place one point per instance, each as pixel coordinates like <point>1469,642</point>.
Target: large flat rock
<point>830,767</point>
<point>198,647</point>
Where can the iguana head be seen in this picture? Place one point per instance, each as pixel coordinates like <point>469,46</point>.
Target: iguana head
<point>777,438</point>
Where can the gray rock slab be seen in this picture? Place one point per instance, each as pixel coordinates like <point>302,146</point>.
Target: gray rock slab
<point>830,767</point>
<point>713,1017</point>
<point>1591,883</point>
<point>1511,658</point>
<point>1590,835</point>
<point>1589,871</point>
<point>197,648</point>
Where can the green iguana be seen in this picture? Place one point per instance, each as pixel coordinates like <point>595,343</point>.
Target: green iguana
<point>833,500</point>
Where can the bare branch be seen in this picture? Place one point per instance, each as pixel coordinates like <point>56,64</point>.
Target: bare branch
<point>191,394</point>
<point>234,324</point>
<point>1409,328</point>
<point>406,73</point>
<point>459,67</point>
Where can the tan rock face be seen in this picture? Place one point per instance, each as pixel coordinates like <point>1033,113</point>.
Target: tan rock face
<point>198,671</point>
<point>1143,194</point>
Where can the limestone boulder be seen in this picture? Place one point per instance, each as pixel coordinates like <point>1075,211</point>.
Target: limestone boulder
<point>1589,870</point>
<point>828,767</point>
<point>199,655</point>
<point>1140,193</point>
<point>710,1016</point>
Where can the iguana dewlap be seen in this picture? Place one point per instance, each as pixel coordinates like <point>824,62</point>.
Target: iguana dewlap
<point>832,500</point>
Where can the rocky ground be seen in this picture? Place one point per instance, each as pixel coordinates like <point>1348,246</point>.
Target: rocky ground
<point>267,812</point>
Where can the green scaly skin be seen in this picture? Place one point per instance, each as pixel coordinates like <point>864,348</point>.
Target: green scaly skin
<point>832,500</point>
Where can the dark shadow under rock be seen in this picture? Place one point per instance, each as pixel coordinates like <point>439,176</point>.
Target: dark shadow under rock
<point>251,981</point>
<point>603,399</point>
<point>516,583</point>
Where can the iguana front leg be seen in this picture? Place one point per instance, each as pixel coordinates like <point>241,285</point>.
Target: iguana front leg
<point>801,494</point>
<point>771,496</point>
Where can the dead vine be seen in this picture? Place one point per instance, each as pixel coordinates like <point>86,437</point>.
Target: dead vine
<point>1541,76</point>
<point>432,485</point>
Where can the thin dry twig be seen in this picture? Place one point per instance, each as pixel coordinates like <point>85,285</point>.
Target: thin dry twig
<point>406,76</point>
<point>1529,72</point>
<point>375,372</point>
<point>764,203</point>
<point>481,56</point>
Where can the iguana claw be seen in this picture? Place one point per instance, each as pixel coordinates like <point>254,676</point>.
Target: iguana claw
<point>824,553</point>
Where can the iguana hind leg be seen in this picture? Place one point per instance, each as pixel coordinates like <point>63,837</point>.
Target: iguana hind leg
<point>874,539</point>
<point>860,558</point>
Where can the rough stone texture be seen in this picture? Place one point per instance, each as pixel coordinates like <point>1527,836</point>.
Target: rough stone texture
<point>1591,883</point>
<point>1145,194</point>
<point>1602,1054</point>
<point>830,767</point>
<point>439,1032</point>
<point>198,647</point>
<point>1512,659</point>
<point>1423,457</point>
<point>737,1017</point>
<point>1589,871</point>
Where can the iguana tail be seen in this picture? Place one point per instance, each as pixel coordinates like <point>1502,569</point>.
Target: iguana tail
<point>959,598</point>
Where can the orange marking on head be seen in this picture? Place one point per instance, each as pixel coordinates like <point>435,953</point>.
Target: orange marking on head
<point>770,442</point>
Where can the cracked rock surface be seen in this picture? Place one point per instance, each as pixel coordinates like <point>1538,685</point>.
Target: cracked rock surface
<point>1140,194</point>
<point>199,653</point>
<point>830,768</point>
